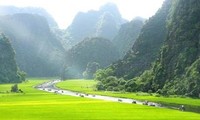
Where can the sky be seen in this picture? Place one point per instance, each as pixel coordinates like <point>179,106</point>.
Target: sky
<point>63,11</point>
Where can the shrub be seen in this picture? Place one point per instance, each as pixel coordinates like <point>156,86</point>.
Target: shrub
<point>14,88</point>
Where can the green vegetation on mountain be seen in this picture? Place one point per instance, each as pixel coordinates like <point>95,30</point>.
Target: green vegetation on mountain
<point>146,47</point>
<point>89,55</point>
<point>143,53</point>
<point>177,70</point>
<point>38,52</point>
<point>159,62</point>
<point>9,72</point>
<point>127,35</point>
<point>102,23</point>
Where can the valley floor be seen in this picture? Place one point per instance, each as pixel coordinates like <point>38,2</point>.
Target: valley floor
<point>88,86</point>
<point>39,105</point>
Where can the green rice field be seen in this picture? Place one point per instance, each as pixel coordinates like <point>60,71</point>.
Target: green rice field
<point>88,86</point>
<point>39,105</point>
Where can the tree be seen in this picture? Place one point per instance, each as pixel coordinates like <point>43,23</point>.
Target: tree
<point>14,88</point>
<point>102,74</point>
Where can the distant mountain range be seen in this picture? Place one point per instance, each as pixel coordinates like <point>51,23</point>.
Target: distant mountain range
<point>94,38</point>
<point>104,23</point>
<point>10,10</point>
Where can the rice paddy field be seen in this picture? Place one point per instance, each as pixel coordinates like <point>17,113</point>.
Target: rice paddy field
<point>39,105</point>
<point>88,86</point>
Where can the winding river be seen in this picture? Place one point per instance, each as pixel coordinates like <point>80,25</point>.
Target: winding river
<point>50,87</point>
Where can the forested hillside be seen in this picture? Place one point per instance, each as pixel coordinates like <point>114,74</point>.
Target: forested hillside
<point>127,35</point>
<point>102,23</point>
<point>9,72</point>
<point>177,70</point>
<point>146,47</point>
<point>90,52</point>
<point>38,52</point>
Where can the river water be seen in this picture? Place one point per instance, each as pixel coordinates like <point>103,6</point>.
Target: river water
<point>50,87</point>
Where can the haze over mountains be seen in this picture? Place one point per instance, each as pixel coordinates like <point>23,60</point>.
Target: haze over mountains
<point>38,52</point>
<point>40,45</point>
<point>160,54</point>
<point>90,50</point>
<point>10,10</point>
<point>127,35</point>
<point>103,23</point>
